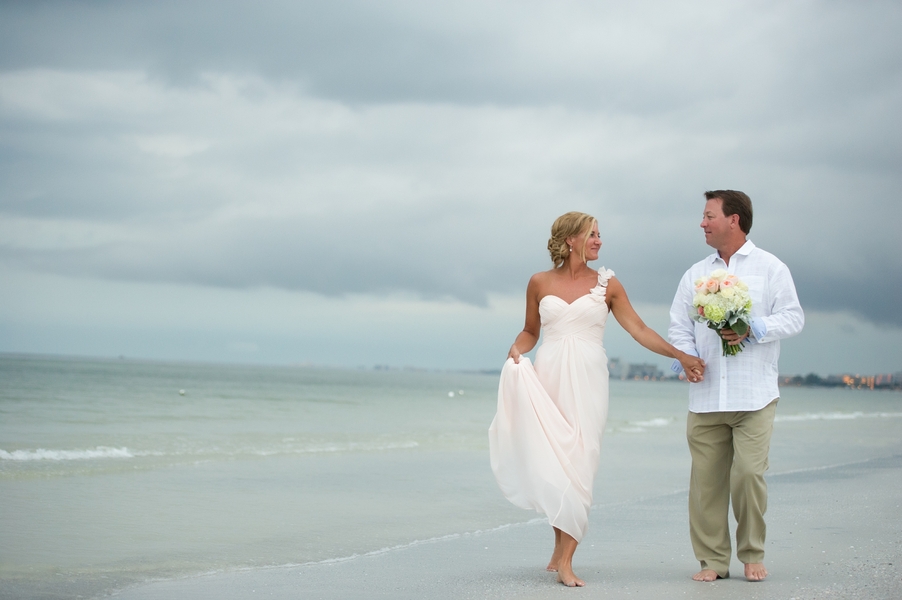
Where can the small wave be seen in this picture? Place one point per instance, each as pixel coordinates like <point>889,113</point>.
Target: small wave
<point>359,446</point>
<point>837,416</point>
<point>414,543</point>
<point>326,448</point>
<point>44,454</point>
<point>659,422</point>
<point>642,426</point>
<point>103,452</point>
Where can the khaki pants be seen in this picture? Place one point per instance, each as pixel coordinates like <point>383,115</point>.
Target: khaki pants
<point>729,457</point>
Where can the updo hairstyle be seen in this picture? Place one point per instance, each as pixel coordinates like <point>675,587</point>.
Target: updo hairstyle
<point>571,224</point>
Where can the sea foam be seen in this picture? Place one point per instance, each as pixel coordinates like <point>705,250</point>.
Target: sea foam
<point>44,454</point>
<point>658,422</point>
<point>837,416</point>
<point>101,452</point>
<point>643,426</point>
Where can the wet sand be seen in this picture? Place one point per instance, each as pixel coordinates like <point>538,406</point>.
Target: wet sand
<point>833,532</point>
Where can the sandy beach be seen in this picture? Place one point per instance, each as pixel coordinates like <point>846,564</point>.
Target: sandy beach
<point>834,532</point>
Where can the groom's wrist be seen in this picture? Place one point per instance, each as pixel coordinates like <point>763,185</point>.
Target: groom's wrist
<point>757,330</point>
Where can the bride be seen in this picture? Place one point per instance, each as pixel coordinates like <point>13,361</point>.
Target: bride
<point>546,436</point>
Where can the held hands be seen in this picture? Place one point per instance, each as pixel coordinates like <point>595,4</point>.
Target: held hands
<point>694,368</point>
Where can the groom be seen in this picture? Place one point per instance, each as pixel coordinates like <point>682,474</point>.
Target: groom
<point>731,412</point>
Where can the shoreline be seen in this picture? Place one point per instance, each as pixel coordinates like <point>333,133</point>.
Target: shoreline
<point>833,532</point>
<point>308,478</point>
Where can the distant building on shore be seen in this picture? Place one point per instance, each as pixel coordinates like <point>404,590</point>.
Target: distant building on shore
<point>884,381</point>
<point>616,369</point>
<point>640,372</point>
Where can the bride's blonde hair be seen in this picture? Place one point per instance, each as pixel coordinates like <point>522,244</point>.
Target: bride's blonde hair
<point>567,225</point>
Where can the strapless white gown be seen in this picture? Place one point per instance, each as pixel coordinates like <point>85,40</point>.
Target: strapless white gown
<point>545,439</point>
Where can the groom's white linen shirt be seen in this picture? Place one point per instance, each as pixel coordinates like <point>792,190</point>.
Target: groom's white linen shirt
<point>747,381</point>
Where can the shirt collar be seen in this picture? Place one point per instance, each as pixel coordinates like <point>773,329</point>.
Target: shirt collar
<point>744,250</point>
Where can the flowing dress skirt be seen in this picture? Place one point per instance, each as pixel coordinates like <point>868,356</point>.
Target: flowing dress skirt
<point>546,436</point>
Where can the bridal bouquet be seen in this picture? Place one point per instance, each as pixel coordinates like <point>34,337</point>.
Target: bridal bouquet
<point>722,301</point>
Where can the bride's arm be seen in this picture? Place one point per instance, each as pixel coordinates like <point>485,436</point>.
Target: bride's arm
<point>629,319</point>
<point>529,337</point>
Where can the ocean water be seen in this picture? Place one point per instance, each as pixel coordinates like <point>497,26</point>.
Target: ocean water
<point>117,472</point>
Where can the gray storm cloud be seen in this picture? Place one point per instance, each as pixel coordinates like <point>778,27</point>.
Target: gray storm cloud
<point>351,147</point>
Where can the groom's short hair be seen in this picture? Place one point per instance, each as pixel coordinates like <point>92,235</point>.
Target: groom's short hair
<point>734,203</point>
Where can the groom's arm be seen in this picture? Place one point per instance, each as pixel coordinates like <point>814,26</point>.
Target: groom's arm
<point>785,318</point>
<point>682,328</point>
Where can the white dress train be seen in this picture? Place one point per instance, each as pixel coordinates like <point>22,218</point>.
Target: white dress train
<point>545,439</point>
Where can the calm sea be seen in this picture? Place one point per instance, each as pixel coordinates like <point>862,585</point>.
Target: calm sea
<point>115,472</point>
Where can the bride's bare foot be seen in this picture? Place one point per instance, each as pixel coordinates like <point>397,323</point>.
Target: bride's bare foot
<point>755,572</point>
<point>558,552</point>
<point>555,559</point>
<point>562,559</point>
<point>569,578</point>
<point>708,575</point>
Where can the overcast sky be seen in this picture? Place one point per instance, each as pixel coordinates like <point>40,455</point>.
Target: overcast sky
<point>360,183</point>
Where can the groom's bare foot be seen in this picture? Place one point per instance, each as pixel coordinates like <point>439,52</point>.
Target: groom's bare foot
<point>755,572</point>
<point>708,575</point>
<point>568,577</point>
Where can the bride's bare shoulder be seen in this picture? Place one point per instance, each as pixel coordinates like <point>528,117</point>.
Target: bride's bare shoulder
<point>543,277</point>
<point>540,282</point>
